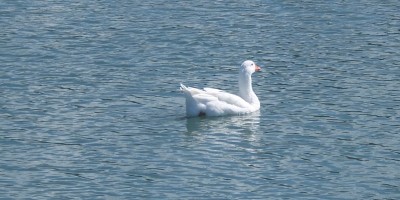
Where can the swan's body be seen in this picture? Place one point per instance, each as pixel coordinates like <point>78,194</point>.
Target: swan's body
<point>214,102</point>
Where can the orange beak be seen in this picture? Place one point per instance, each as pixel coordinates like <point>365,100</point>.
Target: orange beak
<point>258,68</point>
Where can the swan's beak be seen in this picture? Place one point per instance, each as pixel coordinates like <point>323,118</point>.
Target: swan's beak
<point>258,68</point>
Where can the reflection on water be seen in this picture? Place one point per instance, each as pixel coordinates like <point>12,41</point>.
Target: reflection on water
<point>245,126</point>
<point>243,123</point>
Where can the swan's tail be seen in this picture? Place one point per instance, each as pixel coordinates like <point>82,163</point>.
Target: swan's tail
<point>190,90</point>
<point>191,104</point>
<point>183,88</point>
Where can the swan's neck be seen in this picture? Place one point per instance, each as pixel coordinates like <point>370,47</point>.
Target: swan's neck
<point>246,89</point>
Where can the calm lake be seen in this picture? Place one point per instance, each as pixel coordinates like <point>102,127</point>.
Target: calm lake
<point>90,106</point>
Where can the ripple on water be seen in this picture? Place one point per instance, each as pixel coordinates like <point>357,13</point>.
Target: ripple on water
<point>91,106</point>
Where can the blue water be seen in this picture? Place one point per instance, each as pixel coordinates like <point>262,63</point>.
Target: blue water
<point>90,106</point>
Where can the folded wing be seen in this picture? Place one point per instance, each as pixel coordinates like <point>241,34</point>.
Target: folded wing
<point>227,97</point>
<point>212,102</point>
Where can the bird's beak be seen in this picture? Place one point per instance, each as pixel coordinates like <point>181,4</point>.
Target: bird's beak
<point>258,68</point>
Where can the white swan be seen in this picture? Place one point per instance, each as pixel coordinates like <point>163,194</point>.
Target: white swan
<point>214,102</point>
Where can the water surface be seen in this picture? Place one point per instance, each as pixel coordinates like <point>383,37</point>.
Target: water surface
<point>90,106</point>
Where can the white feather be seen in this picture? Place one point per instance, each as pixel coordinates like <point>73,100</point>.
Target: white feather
<point>215,102</point>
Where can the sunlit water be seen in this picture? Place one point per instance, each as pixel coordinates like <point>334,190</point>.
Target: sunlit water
<point>90,106</point>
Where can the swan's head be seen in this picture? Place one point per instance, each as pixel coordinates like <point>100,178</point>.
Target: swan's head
<point>249,67</point>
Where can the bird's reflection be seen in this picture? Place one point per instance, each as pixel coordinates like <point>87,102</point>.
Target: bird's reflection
<point>247,125</point>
